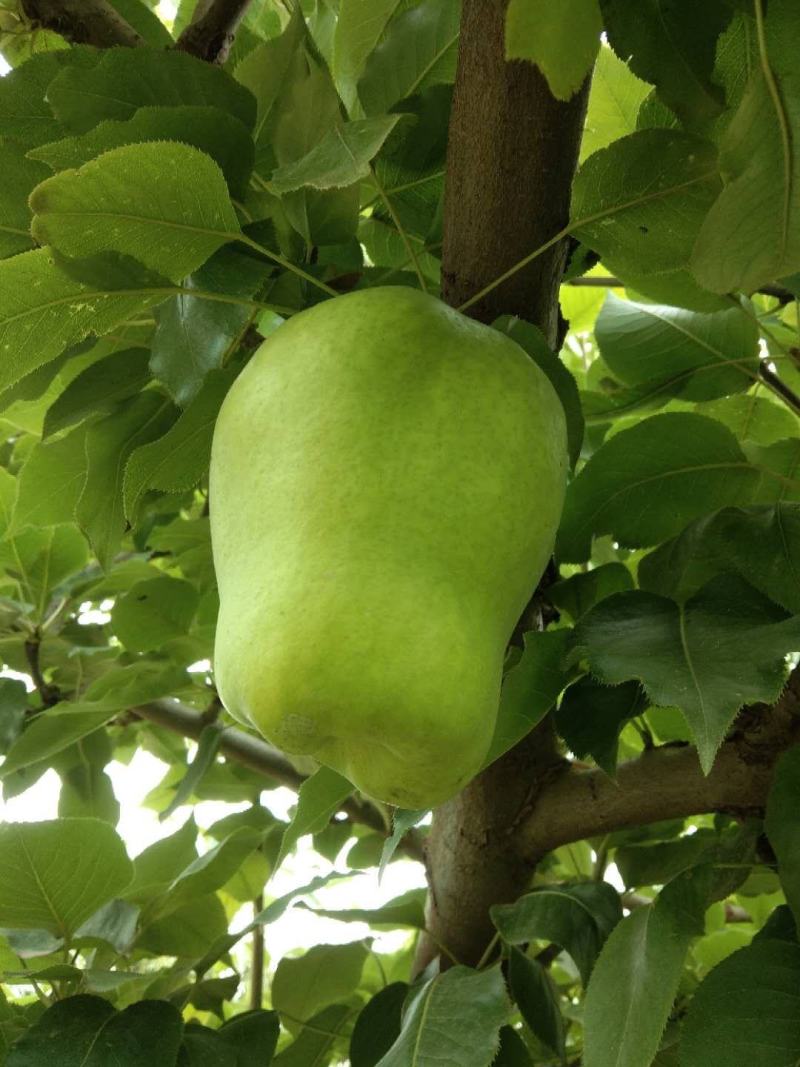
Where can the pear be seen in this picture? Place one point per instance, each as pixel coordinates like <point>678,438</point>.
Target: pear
<point>387,477</point>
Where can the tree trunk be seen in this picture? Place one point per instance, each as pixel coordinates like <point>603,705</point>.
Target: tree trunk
<point>512,154</point>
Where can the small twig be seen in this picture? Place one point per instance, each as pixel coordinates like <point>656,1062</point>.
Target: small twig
<point>777,385</point>
<point>94,22</point>
<point>210,34</point>
<point>257,959</point>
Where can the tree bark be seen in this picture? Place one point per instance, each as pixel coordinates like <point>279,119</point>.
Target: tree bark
<point>512,153</point>
<point>94,22</point>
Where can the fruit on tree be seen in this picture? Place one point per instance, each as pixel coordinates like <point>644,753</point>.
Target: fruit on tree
<point>386,480</point>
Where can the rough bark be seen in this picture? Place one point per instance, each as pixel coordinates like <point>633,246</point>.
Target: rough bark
<point>512,153</point>
<point>93,22</point>
<point>211,32</point>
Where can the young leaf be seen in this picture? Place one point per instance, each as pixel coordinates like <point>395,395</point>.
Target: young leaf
<point>402,822</point>
<point>781,824</point>
<point>303,985</point>
<point>577,917</point>
<point>417,51</point>
<point>562,40</point>
<point>723,648</point>
<point>646,483</point>
<point>614,100</point>
<point>125,79</point>
<point>591,717</point>
<point>455,1015</point>
<point>697,356</point>
<point>211,130</point>
<point>54,875</point>
<point>318,798</point>
<point>537,1000</point>
<point>752,233</point>
<point>745,1013</point>
<point>673,46</point>
<point>378,1025</point>
<point>85,1031</point>
<point>20,175</point>
<point>163,203</point>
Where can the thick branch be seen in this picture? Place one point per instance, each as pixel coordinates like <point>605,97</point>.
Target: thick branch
<point>93,22</point>
<point>256,754</point>
<point>665,783</point>
<point>211,32</point>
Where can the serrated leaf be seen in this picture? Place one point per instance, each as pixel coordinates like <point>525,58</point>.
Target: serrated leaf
<point>640,201</point>
<point>20,175</point>
<point>86,1031</point>
<point>562,40</point>
<point>723,648</point>
<point>537,1000</point>
<point>178,460</point>
<point>358,29</point>
<point>417,51</point>
<point>697,356</point>
<point>55,874</point>
<point>513,1050</point>
<point>578,917</point>
<point>672,45</point>
<point>402,821</point>
<point>213,131</point>
<point>303,985</point>
<point>163,203</point>
<point>377,1025</point>
<point>125,79</point>
<point>752,233</point>
<point>591,717</point>
<point>745,1012</point>
<point>109,443</point>
<point>614,100</point>
<point>455,1018</point>
<point>636,977</point>
<point>318,798</point>
<point>646,483</point>
<point>98,389</point>
<point>340,159</point>
<point>530,688</point>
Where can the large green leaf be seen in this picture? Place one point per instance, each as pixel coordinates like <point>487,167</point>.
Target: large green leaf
<point>752,233</point>
<point>723,648</point>
<point>696,356</point>
<point>745,1014</point>
<point>562,40</point>
<point>577,917</point>
<point>646,483</point>
<point>377,1025</point>
<point>153,612</point>
<point>20,175</point>
<point>163,203</point>
<point>454,1016</point>
<point>782,825</point>
<point>303,985</point>
<point>25,114</point>
<point>99,388</point>
<point>54,875</point>
<point>313,1044</point>
<point>418,50</point>
<point>358,29</point>
<point>537,999</point>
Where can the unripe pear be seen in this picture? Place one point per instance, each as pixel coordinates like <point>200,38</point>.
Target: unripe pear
<point>387,477</point>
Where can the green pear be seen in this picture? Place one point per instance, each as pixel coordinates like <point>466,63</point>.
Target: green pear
<point>387,477</point>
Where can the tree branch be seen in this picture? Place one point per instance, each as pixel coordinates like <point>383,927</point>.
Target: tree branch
<point>93,22</point>
<point>213,27</point>
<point>665,783</point>
<point>252,752</point>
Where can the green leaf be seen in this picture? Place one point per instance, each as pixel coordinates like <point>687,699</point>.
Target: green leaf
<point>640,201</point>
<point>672,45</point>
<point>13,709</point>
<point>68,721</point>
<point>402,822</point>
<point>213,131</point>
<point>25,115</point>
<point>187,931</point>
<point>44,309</point>
<point>563,40</point>
<point>340,159</point>
<point>156,868</point>
<point>637,974</point>
<point>614,100</point>
<point>591,717</point>
<point>752,233</point>
<point>50,483</point>
<point>577,917</point>
<point>145,21</point>
<point>513,1050</point>
<point>109,443</point>
<point>254,1035</point>
<point>125,79</point>
<point>303,985</point>
<point>580,592</point>
<point>313,1044</point>
<point>642,864</point>
<point>781,824</point>
<point>417,51</point>
<point>455,1015</point>
<point>154,612</point>
<point>163,203</point>
<point>530,689</point>
<point>378,1025</point>
<point>696,356</point>
<point>20,175</point>
<point>745,1013</point>
<point>54,875</point>
<point>86,1031</point>
<point>209,872</point>
<point>646,483</point>
<point>723,648</point>
<point>532,340</point>
<point>318,798</point>
<point>178,460</point>
<point>406,910</point>
<point>537,1000</point>
<point>358,29</point>
<point>98,389</point>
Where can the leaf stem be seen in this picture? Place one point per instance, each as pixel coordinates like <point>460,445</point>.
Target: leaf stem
<point>287,264</point>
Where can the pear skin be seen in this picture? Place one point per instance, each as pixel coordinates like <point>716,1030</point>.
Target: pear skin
<point>387,477</point>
